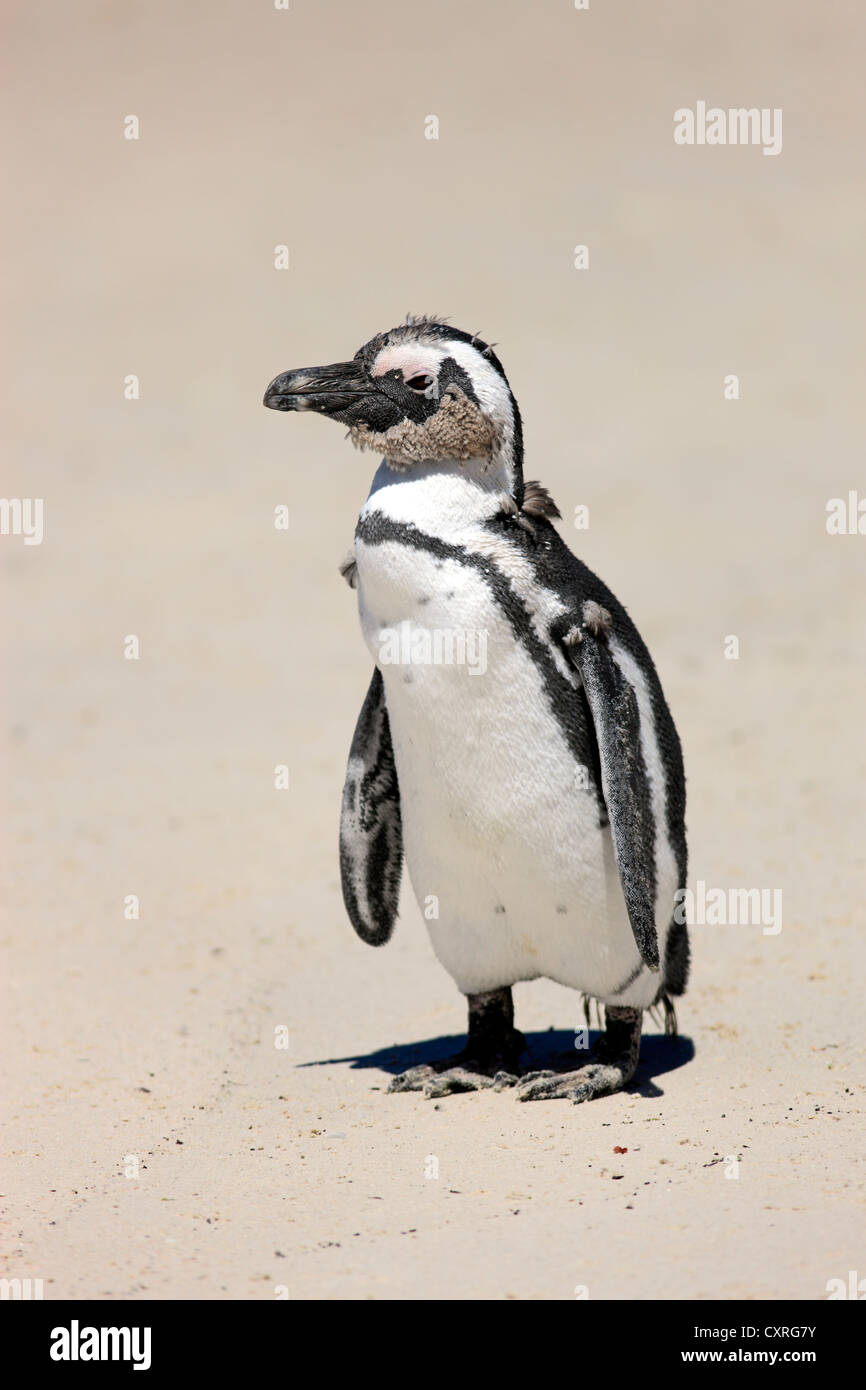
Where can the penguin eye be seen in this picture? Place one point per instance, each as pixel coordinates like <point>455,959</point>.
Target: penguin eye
<point>419,383</point>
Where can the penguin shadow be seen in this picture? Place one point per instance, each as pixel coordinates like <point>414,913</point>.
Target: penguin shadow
<point>553,1050</point>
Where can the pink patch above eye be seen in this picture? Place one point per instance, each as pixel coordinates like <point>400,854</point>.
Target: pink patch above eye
<point>408,362</point>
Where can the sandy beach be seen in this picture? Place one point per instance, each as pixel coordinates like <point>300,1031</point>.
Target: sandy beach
<point>197,1046</point>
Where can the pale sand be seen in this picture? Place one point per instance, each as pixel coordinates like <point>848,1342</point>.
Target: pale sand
<point>263,1167</point>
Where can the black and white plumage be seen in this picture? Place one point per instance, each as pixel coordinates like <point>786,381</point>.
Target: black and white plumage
<point>371,834</point>
<point>540,800</point>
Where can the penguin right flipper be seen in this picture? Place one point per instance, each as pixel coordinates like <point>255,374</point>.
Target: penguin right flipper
<point>616,720</point>
<point>371,832</point>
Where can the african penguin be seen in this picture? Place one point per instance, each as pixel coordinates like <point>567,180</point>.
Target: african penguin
<point>514,743</point>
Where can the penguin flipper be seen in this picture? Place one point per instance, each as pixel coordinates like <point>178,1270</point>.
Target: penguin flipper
<point>371,832</point>
<point>616,719</point>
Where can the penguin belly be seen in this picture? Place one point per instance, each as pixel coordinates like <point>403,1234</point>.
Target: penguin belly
<point>512,869</point>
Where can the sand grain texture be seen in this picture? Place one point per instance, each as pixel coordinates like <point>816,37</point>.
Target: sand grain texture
<point>154,1038</point>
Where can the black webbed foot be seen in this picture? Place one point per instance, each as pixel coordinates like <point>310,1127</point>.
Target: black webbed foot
<point>609,1069</point>
<point>490,1058</point>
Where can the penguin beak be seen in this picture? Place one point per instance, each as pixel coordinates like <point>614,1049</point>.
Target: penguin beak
<point>329,390</point>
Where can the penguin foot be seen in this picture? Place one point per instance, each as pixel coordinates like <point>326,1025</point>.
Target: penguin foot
<point>451,1077</point>
<point>588,1083</point>
<point>488,1061</point>
<point>612,1066</point>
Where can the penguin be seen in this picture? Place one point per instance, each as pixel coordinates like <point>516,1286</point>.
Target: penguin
<point>514,745</point>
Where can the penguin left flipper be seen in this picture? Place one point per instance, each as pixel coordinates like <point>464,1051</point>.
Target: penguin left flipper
<point>616,718</point>
<point>371,831</point>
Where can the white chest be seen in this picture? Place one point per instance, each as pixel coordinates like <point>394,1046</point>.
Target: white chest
<point>507,859</point>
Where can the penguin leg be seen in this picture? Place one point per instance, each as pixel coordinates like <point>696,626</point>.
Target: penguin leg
<point>610,1068</point>
<point>489,1058</point>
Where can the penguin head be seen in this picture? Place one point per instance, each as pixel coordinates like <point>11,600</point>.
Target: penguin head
<point>421,393</point>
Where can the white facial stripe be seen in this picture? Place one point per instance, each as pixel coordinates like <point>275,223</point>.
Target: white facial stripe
<point>493,395</point>
<point>494,398</point>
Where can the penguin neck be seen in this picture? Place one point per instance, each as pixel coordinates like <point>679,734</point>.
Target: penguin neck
<point>443,496</point>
